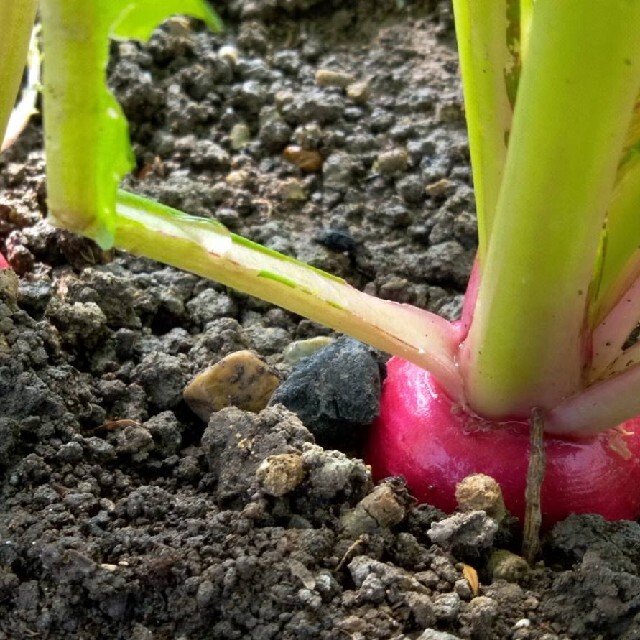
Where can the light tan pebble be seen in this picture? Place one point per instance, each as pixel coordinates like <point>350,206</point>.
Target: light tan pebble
<point>296,351</point>
<point>238,178</point>
<point>330,78</point>
<point>9,286</point>
<point>281,473</point>
<point>359,92</point>
<point>229,53</point>
<point>240,136</point>
<point>380,508</point>
<point>392,161</point>
<point>241,380</point>
<point>292,190</point>
<point>383,504</point>
<point>442,187</point>
<point>479,492</point>
<point>305,159</point>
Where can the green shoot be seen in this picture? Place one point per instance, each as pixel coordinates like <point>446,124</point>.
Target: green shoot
<point>16,19</point>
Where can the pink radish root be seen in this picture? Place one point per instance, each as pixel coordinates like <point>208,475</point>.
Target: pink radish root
<point>422,435</point>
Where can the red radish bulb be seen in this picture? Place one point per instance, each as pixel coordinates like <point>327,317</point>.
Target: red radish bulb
<point>422,435</point>
<point>3,263</point>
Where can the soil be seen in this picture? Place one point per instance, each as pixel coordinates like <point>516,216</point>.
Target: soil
<point>122,513</point>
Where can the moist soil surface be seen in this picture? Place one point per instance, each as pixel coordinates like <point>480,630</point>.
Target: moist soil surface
<point>332,131</point>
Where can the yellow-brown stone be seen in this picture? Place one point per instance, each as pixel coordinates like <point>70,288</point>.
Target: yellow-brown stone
<point>241,380</point>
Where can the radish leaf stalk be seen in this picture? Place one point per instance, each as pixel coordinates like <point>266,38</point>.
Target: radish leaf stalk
<point>16,18</point>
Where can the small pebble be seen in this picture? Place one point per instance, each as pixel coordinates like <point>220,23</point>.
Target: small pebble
<point>274,134</point>
<point>380,508</point>
<point>479,492</point>
<point>281,473</point>
<point>383,505</point>
<point>241,379</point>
<point>440,188</point>
<point>392,162</point>
<point>329,78</point>
<point>240,136</point>
<point>504,565</point>
<point>337,171</point>
<point>300,349</point>
<point>292,190</point>
<point>238,178</point>
<point>9,286</point>
<point>228,53</point>
<point>523,623</point>
<point>306,160</point>
<point>446,606</point>
<point>358,92</point>
<point>466,534</point>
<point>335,392</point>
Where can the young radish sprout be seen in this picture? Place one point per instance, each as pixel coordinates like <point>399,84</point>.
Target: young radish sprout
<point>551,93</point>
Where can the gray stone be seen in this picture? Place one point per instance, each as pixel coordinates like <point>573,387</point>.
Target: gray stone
<point>467,534</point>
<point>334,391</point>
<point>337,171</point>
<point>434,634</point>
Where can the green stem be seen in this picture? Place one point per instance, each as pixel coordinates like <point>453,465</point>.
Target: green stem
<point>86,134</point>
<point>621,255</point>
<point>488,65</point>
<point>527,343</point>
<point>526,16</point>
<point>86,139</point>
<point>16,18</point>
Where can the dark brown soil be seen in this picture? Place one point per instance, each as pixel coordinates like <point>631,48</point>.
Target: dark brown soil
<point>122,514</point>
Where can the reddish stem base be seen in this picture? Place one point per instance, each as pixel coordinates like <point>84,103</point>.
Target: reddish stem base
<point>424,437</point>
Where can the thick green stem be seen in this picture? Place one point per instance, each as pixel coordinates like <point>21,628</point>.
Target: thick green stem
<point>488,67</point>
<point>526,346</point>
<point>16,21</point>
<point>86,134</point>
<point>86,139</point>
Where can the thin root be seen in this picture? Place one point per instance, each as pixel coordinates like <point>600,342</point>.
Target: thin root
<point>535,476</point>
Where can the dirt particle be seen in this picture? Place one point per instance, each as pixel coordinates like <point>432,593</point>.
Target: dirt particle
<point>358,92</point>
<point>383,507</point>
<point>441,188</point>
<point>392,162</point>
<point>281,473</point>
<point>504,565</point>
<point>331,78</point>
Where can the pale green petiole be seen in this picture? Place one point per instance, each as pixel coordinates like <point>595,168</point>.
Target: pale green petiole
<point>16,20</point>
<point>487,63</point>
<point>527,342</point>
<point>205,247</point>
<point>81,114</point>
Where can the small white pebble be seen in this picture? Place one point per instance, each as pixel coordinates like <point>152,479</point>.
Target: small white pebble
<point>523,623</point>
<point>229,53</point>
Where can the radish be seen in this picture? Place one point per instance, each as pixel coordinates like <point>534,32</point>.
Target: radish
<point>551,97</point>
<point>434,443</point>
